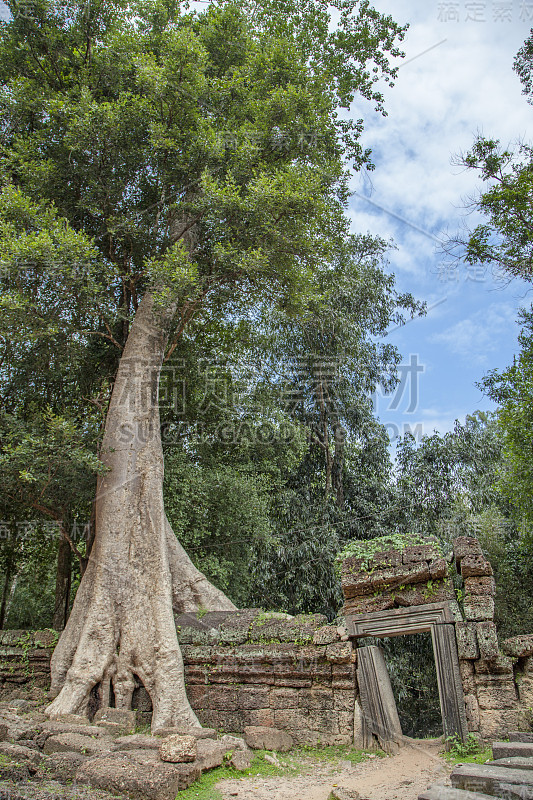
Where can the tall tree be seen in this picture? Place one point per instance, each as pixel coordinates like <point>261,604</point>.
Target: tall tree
<point>206,158</point>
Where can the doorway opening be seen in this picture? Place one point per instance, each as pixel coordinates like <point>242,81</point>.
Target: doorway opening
<point>410,662</point>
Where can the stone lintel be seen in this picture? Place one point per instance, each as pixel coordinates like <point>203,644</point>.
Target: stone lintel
<point>399,621</point>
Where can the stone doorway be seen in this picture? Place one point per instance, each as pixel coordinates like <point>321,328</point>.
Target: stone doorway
<point>437,619</point>
<point>411,666</point>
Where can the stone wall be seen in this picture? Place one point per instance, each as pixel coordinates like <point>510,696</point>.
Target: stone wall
<point>248,668</point>
<point>25,662</point>
<point>242,668</point>
<point>495,702</point>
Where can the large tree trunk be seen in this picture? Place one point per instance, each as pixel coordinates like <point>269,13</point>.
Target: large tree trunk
<point>122,622</point>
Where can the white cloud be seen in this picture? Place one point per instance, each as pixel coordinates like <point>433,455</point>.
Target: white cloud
<point>441,100</point>
<point>476,337</point>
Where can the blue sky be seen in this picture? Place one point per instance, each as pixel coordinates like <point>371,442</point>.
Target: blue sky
<point>457,80</point>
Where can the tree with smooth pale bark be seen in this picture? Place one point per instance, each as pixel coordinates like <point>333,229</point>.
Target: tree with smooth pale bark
<point>205,157</point>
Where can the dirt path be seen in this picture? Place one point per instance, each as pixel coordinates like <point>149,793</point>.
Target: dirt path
<point>400,777</point>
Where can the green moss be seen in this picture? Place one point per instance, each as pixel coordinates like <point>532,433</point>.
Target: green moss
<point>366,550</point>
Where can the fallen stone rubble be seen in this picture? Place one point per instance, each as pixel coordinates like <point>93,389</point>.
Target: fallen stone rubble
<point>44,759</point>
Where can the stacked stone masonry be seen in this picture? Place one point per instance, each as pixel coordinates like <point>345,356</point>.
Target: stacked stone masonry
<point>394,578</point>
<point>497,680</point>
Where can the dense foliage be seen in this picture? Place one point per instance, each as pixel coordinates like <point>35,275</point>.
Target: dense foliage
<point>205,157</point>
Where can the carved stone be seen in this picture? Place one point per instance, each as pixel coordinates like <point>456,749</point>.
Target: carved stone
<point>377,699</point>
<point>399,621</point>
<point>452,702</point>
<point>438,619</point>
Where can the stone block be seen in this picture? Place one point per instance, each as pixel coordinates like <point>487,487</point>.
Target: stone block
<point>195,654</point>
<point>386,558</point>
<point>241,760</point>
<point>299,629</point>
<point>283,698</point>
<point>58,726</point>
<point>343,676</point>
<point>498,694</point>
<point>11,770</point>
<point>487,638</point>
<point>449,793</point>
<point>438,591</point>
<point>478,608</point>
<point>513,763</point>
<point>438,569</point>
<point>60,766</point>
<point>467,646</point>
<point>45,639</point>
<point>328,634</point>
<point>77,743</point>
<point>501,665</point>
<point>410,595</point>
<point>224,698</point>
<point>225,720</point>
<point>233,743</point>
<point>140,774</point>
<point>13,638</point>
<point>495,781</point>
<point>211,753</point>
<point>364,584</point>
<point>480,586</point>
<point>137,741</point>
<point>466,669</point>
<point>340,653</point>
<point>496,724</point>
<point>345,722</point>
<point>512,750</point>
<point>368,605</point>
<point>260,738</point>
<point>236,627</point>
<point>292,720</point>
<point>475,566</point>
<point>356,584</point>
<point>521,736</point>
<point>525,690</point>
<point>344,700</point>
<point>398,576</point>
<point>26,755</point>
<point>316,700</point>
<point>125,720</point>
<point>259,717</point>
<point>455,611</point>
<point>519,646</point>
<point>418,553</point>
<point>178,749</point>
<point>466,546</point>
<point>472,712</point>
<point>162,733</point>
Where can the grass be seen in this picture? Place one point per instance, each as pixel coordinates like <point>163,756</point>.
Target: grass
<point>472,758</point>
<point>297,761</point>
<point>469,752</point>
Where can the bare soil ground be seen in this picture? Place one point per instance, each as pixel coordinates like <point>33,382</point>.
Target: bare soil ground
<point>400,777</point>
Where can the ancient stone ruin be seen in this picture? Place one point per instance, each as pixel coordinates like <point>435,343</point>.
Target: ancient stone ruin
<point>322,683</point>
<point>485,687</point>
